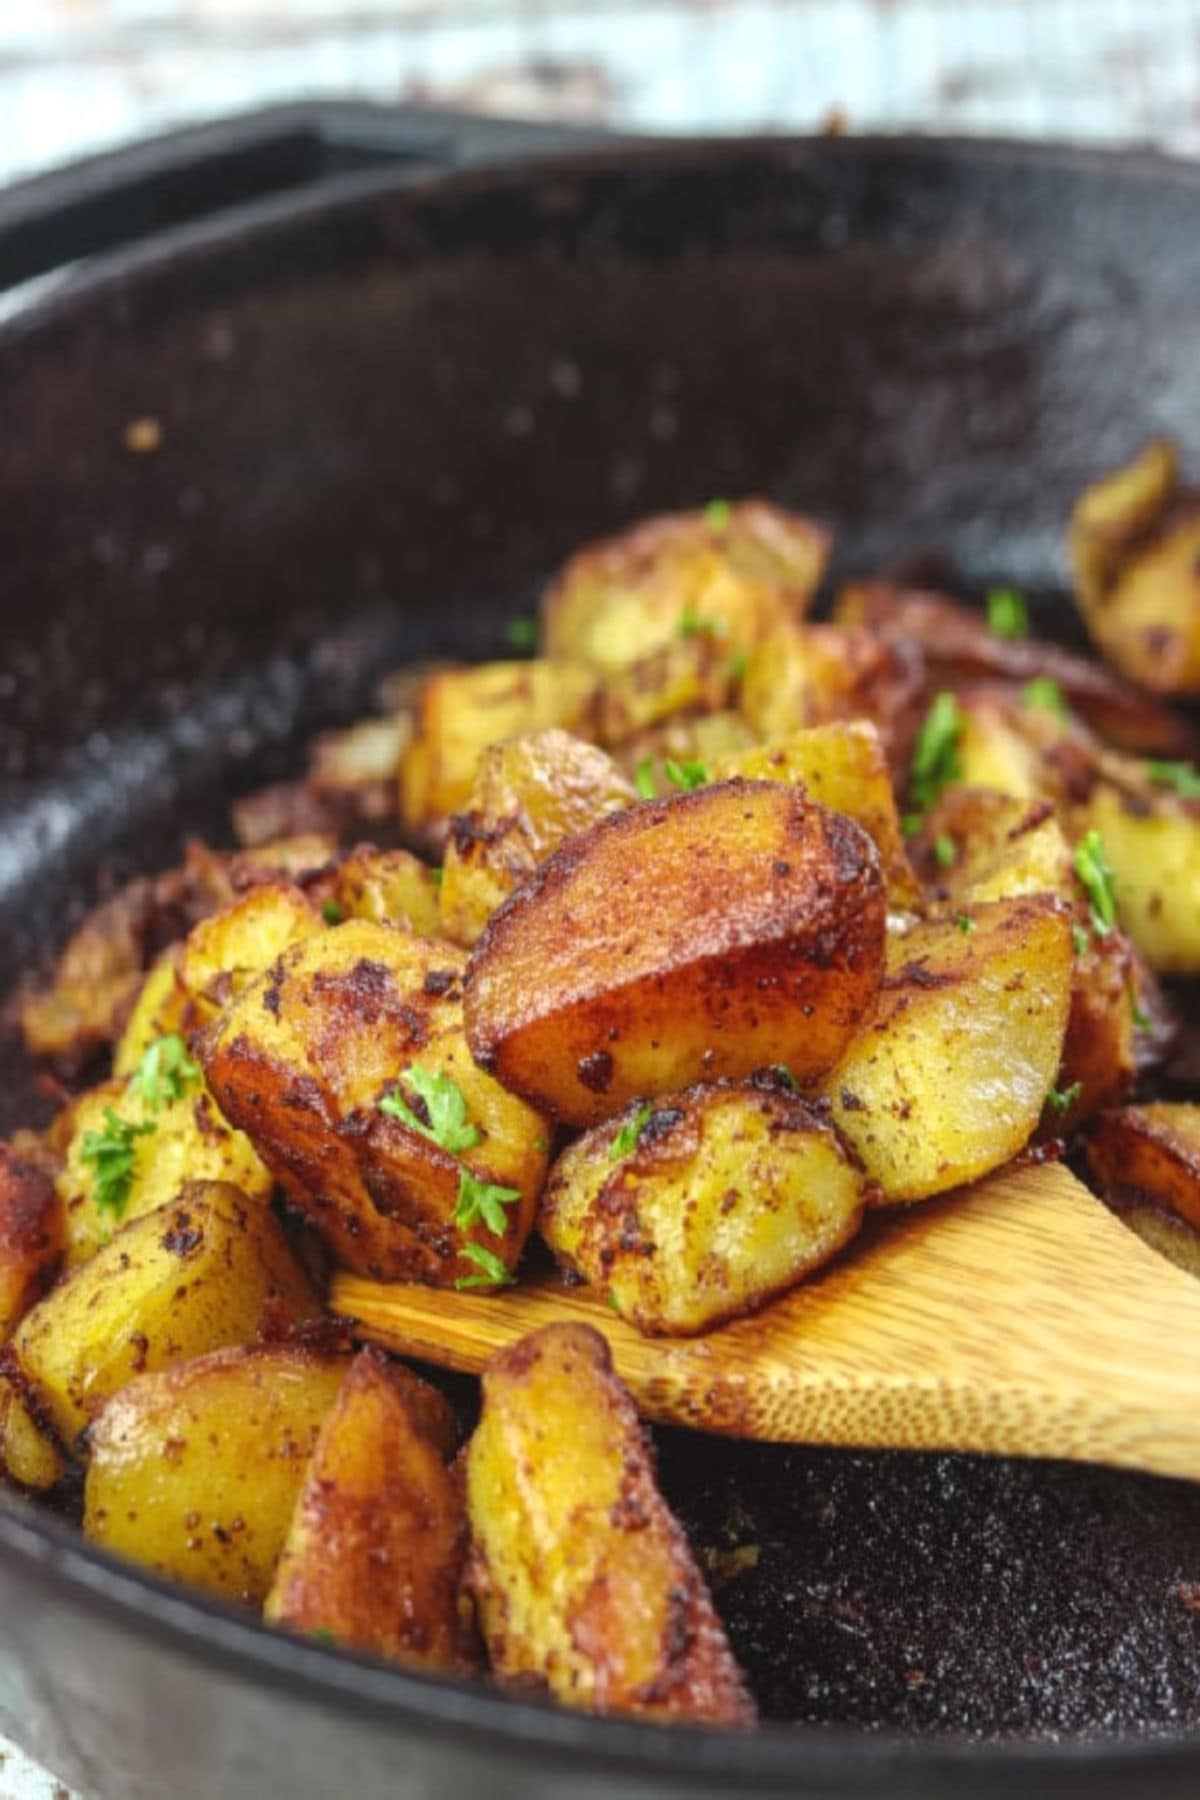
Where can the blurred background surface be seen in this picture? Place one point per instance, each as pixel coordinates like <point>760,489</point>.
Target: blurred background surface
<point>77,75</point>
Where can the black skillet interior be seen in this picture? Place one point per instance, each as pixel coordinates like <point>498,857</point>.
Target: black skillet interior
<point>387,406</point>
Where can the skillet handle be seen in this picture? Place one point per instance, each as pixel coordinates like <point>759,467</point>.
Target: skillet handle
<point>109,201</point>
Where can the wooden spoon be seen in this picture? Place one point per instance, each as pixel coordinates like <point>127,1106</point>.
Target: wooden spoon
<point>1018,1317</point>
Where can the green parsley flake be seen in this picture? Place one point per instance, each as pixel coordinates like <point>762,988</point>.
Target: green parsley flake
<point>111,1155</point>
<point>936,761</point>
<point>627,1138</point>
<point>737,665</point>
<point>1081,937</point>
<point>1059,1099</point>
<point>437,876</point>
<point>686,776</point>
<point>718,515</point>
<point>944,851</point>
<point>165,1072</point>
<point>321,1634</point>
<point>784,1077</point>
<point>643,779</point>
<point>446,1122</point>
<point>482,1200</point>
<point>1096,877</point>
<point>492,1272</point>
<point>521,634</point>
<point>1007,613</point>
<point>1045,692</point>
<point>1141,1020</point>
<point>965,924</point>
<point>692,624</point>
<point>331,912</point>
<point>1178,775</point>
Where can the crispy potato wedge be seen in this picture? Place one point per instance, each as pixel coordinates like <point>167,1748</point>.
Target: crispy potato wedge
<point>698,737</point>
<point>530,795</point>
<point>727,576</point>
<point>842,766</point>
<point>29,1451</point>
<point>206,1270</point>
<point>301,1062</point>
<point>689,938</point>
<point>1099,1059</point>
<point>377,1543</point>
<point>461,712</point>
<point>1151,1152</point>
<point>583,1579</point>
<point>728,1194</point>
<point>1152,842</point>
<point>977,844</point>
<point>949,1079</point>
<point>393,887</point>
<point>184,1139</point>
<point>803,675</point>
<point>195,1470</point>
<point>223,954</point>
<point>161,1007</point>
<point>689,676</point>
<point>31,1237</point>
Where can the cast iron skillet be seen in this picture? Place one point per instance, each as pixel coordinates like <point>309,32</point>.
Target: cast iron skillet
<point>394,387</point>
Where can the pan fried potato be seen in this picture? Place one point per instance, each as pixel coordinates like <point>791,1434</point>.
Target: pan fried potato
<point>460,712</point>
<point>181,1139</point>
<point>691,675</point>
<point>377,1544</point>
<point>949,1079</point>
<point>1152,1152</point>
<point>206,1270</point>
<point>301,1062</point>
<point>161,1008</point>
<point>977,844</point>
<point>1152,842</point>
<point>842,766</point>
<point>704,1207</point>
<point>1135,552</point>
<point>698,737</point>
<point>393,887</point>
<point>706,935</point>
<point>583,1579</point>
<point>727,574</point>
<point>816,674</point>
<point>355,770</point>
<point>226,952</point>
<point>31,1237</point>
<point>530,795</point>
<point>29,1451</point>
<point>1099,1059</point>
<point>195,1471</point>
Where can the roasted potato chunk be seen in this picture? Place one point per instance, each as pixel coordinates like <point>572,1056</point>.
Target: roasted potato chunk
<point>803,675</point>
<point>393,887</point>
<point>949,1079</point>
<point>689,676</point>
<point>1150,1152</point>
<point>161,1008</point>
<point>1099,1059</point>
<point>161,1146</point>
<point>701,936</point>
<point>727,574</point>
<point>977,844</point>
<point>530,795</point>
<point>703,1207</point>
<point>31,1237</point>
<point>698,737</point>
<point>842,766</point>
<point>583,1579</point>
<point>226,952</point>
<point>461,712</point>
<point>377,1543</point>
<point>195,1471</point>
<point>302,1061</point>
<point>206,1270</point>
<point>355,770</point>
<point>1151,839</point>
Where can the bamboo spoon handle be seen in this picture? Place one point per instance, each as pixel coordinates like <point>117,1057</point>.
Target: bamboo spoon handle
<point>1018,1317</point>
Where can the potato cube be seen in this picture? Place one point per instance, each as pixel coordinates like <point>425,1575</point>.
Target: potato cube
<point>1151,840</point>
<point>224,953</point>
<point>1150,1152</point>
<point>31,1237</point>
<point>161,1009</point>
<point>393,887</point>
<point>978,844</point>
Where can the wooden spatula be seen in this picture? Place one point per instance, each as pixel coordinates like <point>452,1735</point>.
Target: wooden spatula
<point>1018,1317</point>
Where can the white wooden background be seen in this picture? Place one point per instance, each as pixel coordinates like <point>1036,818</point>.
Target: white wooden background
<point>80,75</point>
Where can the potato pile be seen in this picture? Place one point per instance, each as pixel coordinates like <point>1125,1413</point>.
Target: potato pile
<point>709,929</point>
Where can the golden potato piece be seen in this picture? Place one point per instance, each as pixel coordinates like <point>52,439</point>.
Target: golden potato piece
<point>583,1579</point>
<point>161,1008</point>
<point>706,935</point>
<point>1152,842</point>
<point>703,1207</point>
<point>977,844</point>
<point>125,1156</point>
<point>803,675</point>
<point>949,1079</point>
<point>1099,1051</point>
<point>356,769</point>
<point>206,1270</point>
<point>375,1552</point>
<point>461,711</point>
<point>393,887</point>
<point>727,574</point>
<point>530,795</point>
<point>302,1061</point>
<point>689,676</point>
<point>226,952</point>
<point>31,1237</point>
<point>698,737</point>
<point>842,766</point>
<point>195,1471</point>
<point>29,1451</point>
<point>1152,1152</point>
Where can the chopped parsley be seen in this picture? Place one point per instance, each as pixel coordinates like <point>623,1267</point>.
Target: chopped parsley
<point>165,1072</point>
<point>945,851</point>
<point>627,1138</point>
<point>718,515</point>
<point>437,876</point>
<point>492,1272</point>
<point>521,633</point>
<point>321,1634</point>
<point>331,912</point>
<point>737,665</point>
<point>686,775</point>
<point>643,779</point>
<point>482,1200</point>
<point>936,760</point>
<point>111,1154</point>
<point>693,624</point>
<point>1059,1099</point>
<point>784,1077</point>
<point>446,1122</point>
<point>1045,692</point>
<point>1141,1020</point>
<point>1178,775</point>
<point>1007,613</point>
<point>1096,877</point>
<point>965,923</point>
<point>1081,937</point>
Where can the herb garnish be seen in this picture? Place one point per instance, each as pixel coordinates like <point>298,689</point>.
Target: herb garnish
<point>493,1273</point>
<point>1059,1099</point>
<point>718,514</point>
<point>965,923</point>
<point>1007,613</point>
<point>110,1154</point>
<point>643,779</point>
<point>1081,937</point>
<point>331,912</point>
<point>936,760</point>
<point>737,665</point>
<point>447,1123</point>
<point>1178,775</point>
<point>945,850</point>
<point>1045,692</point>
<point>692,624</point>
<point>627,1138</point>
<point>521,633</point>
<point>686,775</point>
<point>165,1072</point>
<point>1092,868</point>
<point>482,1200</point>
<point>1141,1020</point>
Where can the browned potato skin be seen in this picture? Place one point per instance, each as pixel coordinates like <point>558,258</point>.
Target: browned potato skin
<point>1099,1048</point>
<point>393,887</point>
<point>690,938</point>
<point>1003,847</point>
<point>1150,1151</point>
<point>583,1579</point>
<point>231,948</point>
<point>377,1545</point>
<point>300,1062</point>
<point>805,675</point>
<point>195,1471</point>
<point>31,1237</point>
